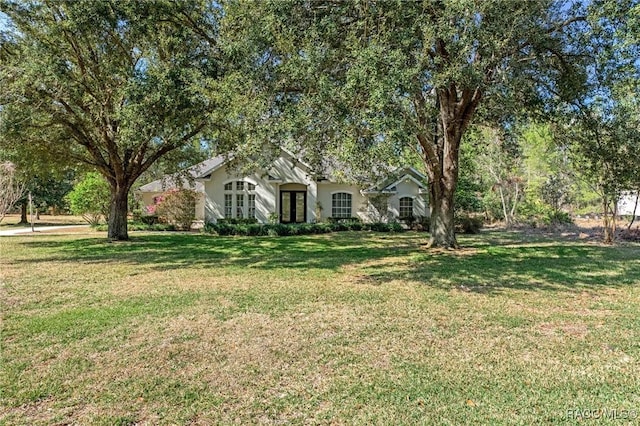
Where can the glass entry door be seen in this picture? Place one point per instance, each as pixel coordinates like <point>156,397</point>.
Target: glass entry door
<point>293,206</point>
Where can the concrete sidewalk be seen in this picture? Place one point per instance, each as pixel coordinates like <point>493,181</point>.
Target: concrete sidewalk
<point>27,230</point>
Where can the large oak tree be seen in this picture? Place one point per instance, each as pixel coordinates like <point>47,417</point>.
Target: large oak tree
<point>350,77</point>
<point>114,84</point>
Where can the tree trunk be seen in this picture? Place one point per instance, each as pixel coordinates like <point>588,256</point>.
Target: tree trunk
<point>505,213</point>
<point>635,209</point>
<point>23,213</point>
<point>606,222</point>
<point>118,213</point>
<point>442,225</point>
<point>441,146</point>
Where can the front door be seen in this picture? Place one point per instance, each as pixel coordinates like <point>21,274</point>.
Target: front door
<point>293,206</point>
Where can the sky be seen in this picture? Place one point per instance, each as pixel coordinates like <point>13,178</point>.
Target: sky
<point>4,19</point>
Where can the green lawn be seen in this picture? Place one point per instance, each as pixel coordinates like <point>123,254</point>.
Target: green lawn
<point>349,328</point>
<point>12,221</point>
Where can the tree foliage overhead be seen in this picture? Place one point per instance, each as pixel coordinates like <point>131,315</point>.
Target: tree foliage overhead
<point>366,80</point>
<point>600,128</point>
<point>116,85</point>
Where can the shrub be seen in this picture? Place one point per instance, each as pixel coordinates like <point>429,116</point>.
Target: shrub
<point>280,229</point>
<point>90,198</point>
<point>323,228</point>
<point>222,228</point>
<point>149,219</point>
<point>395,227</point>
<point>178,207</point>
<point>380,227</point>
<point>355,226</point>
<point>141,227</point>
<point>343,219</point>
<point>467,224</point>
<point>238,220</point>
<point>557,217</point>
<point>339,226</point>
<point>273,218</point>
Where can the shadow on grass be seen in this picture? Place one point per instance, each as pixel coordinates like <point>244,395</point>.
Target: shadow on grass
<point>174,251</point>
<point>490,263</point>
<point>501,262</point>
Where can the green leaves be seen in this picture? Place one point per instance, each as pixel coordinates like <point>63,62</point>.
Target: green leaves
<point>125,80</point>
<point>90,198</point>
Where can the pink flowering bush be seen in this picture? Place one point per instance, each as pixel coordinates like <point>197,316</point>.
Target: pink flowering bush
<point>150,209</point>
<point>178,207</point>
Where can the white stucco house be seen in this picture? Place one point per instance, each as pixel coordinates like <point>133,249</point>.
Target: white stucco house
<point>289,191</point>
<point>628,204</point>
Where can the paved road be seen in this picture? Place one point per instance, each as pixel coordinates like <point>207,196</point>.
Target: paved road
<point>27,230</point>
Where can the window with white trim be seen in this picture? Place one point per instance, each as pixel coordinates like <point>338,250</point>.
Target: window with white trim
<point>228,206</point>
<point>406,207</point>
<point>239,205</point>
<point>341,205</point>
<point>251,205</point>
<point>239,200</point>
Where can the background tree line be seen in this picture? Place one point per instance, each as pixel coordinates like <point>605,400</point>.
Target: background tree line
<point>502,104</point>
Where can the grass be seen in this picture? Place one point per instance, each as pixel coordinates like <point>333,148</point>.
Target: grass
<point>13,221</point>
<point>349,328</point>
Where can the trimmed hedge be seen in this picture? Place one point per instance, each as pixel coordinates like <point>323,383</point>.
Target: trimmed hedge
<point>238,220</point>
<point>280,229</point>
<point>343,219</point>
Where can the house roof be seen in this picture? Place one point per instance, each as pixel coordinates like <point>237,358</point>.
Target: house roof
<point>195,172</point>
<point>388,185</point>
<point>217,162</point>
<point>203,170</point>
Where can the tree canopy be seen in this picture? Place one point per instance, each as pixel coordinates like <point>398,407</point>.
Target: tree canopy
<point>364,80</point>
<point>115,85</point>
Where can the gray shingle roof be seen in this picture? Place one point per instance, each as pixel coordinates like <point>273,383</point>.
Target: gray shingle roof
<point>197,171</point>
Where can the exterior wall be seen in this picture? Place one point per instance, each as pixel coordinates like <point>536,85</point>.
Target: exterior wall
<point>358,201</point>
<point>627,205</point>
<point>147,198</point>
<point>408,188</point>
<point>267,192</point>
<point>286,174</point>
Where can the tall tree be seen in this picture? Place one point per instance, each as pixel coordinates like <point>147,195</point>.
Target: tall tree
<point>115,85</point>
<point>11,189</point>
<point>354,77</point>
<point>601,127</point>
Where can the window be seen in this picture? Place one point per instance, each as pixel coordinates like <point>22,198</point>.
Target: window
<point>406,207</point>
<point>341,204</point>
<point>239,200</point>
<point>251,205</point>
<point>239,205</point>
<point>228,206</point>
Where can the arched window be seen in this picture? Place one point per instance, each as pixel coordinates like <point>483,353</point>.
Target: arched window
<point>406,207</point>
<point>341,204</point>
<point>239,200</point>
